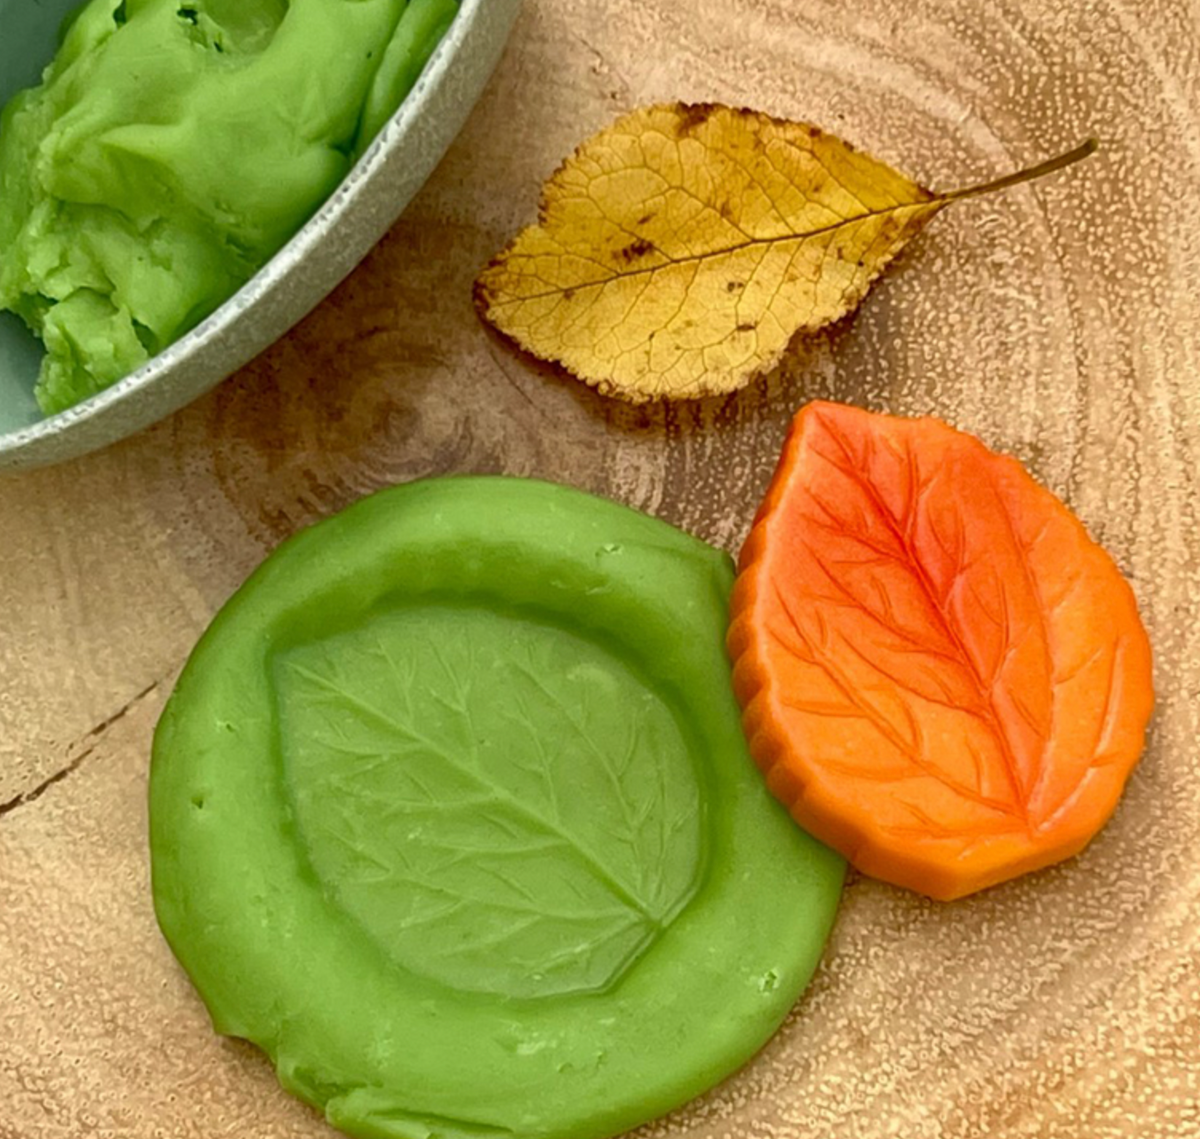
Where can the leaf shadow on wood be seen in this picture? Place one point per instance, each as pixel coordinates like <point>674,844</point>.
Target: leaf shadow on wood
<point>807,371</point>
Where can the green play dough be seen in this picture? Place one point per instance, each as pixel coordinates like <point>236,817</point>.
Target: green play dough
<point>452,815</point>
<point>171,149</point>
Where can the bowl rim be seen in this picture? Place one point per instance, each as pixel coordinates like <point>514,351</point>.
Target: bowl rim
<point>258,289</point>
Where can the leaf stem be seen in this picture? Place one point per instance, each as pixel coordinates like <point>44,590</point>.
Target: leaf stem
<point>1029,174</point>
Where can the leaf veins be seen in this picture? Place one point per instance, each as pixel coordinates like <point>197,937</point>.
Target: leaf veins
<point>503,805</point>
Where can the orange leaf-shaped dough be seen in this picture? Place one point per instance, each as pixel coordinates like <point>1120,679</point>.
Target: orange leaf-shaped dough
<point>942,675</point>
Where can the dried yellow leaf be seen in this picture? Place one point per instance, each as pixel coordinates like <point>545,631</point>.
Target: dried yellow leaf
<point>681,249</point>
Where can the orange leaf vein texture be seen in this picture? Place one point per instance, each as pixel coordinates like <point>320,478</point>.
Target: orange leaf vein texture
<point>941,674</point>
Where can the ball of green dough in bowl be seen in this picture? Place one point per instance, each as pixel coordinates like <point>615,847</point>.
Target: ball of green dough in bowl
<point>171,150</point>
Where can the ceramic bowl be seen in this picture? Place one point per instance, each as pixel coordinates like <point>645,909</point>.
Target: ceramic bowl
<point>320,255</point>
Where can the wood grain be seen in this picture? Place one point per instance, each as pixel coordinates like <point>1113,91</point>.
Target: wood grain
<point>1059,322</point>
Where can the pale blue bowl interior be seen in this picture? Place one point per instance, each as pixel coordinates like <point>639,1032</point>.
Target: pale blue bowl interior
<point>28,37</point>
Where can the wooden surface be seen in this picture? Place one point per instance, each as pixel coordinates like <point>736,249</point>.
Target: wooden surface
<point>1059,322</point>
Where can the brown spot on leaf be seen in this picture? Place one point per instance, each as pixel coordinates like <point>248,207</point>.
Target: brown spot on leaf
<point>733,286</point>
<point>635,249</point>
<point>646,220</point>
<point>746,327</point>
<point>692,116</point>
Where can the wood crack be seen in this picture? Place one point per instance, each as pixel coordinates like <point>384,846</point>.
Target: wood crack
<point>88,741</point>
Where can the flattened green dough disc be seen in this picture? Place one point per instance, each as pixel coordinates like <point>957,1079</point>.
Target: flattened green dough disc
<point>452,815</point>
